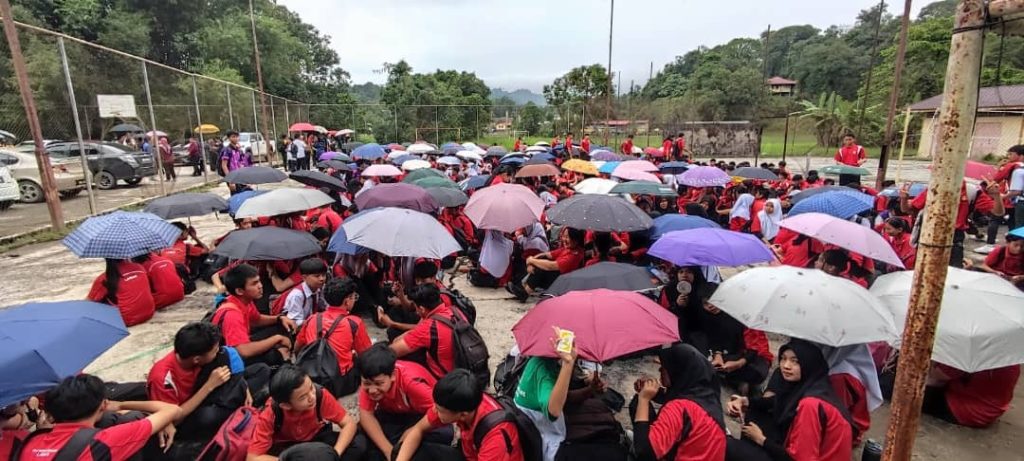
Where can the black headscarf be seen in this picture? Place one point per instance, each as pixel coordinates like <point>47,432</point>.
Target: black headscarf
<point>689,315</point>
<point>724,333</point>
<point>691,377</point>
<point>813,382</point>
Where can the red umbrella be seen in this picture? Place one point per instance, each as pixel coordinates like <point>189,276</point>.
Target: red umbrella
<point>607,324</point>
<point>504,207</point>
<point>302,126</point>
<point>977,170</point>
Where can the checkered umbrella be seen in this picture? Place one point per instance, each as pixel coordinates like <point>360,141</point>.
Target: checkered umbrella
<point>121,235</point>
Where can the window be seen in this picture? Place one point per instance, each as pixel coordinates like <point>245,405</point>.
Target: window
<point>7,159</point>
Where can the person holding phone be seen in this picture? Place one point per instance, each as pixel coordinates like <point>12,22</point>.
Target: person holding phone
<point>543,390</point>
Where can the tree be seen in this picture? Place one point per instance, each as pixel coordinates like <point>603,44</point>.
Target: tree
<point>828,64</point>
<point>578,92</point>
<point>530,118</point>
<point>501,106</point>
<point>443,99</point>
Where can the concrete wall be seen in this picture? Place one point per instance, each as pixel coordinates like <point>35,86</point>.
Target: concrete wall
<point>721,139</point>
<point>993,134</point>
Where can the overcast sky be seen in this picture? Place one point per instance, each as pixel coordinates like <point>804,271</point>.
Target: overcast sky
<point>528,43</point>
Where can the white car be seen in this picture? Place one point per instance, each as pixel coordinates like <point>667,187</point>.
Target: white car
<point>9,192</point>
<point>254,142</point>
<point>23,167</point>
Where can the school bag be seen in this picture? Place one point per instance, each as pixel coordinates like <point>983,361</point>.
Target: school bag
<point>507,375</point>
<point>320,361</point>
<point>462,303</point>
<point>231,442</point>
<point>82,439</point>
<point>277,307</point>
<point>470,348</point>
<point>529,437</point>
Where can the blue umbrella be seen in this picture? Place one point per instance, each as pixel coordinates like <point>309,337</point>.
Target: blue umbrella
<point>1018,232</point>
<point>543,156</point>
<point>608,167</point>
<point>371,151</point>
<point>676,222</point>
<point>674,167</point>
<point>514,161</point>
<point>402,159</point>
<point>236,201</point>
<point>339,243</point>
<point>451,150</point>
<point>43,343</point>
<point>121,235</point>
<point>915,189</point>
<point>451,144</point>
<point>475,182</point>
<point>839,204</point>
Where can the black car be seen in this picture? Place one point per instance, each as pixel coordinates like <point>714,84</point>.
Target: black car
<point>109,162</point>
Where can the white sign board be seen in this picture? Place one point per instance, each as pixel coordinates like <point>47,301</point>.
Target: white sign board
<point>116,105</point>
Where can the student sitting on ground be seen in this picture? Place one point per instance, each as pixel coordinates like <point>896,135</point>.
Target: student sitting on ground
<point>440,354</point>
<point>1007,261</point>
<point>402,316</point>
<point>164,281</point>
<point>349,337</point>
<point>124,284</point>
<point>188,256</point>
<point>237,315</point>
<point>546,267</point>
<point>541,394</point>
<point>305,299</point>
<point>459,400</point>
<point>969,399</point>
<point>76,405</point>
<point>298,412</point>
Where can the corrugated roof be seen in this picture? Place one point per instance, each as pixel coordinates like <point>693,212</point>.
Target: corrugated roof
<point>994,97</point>
<point>780,81</point>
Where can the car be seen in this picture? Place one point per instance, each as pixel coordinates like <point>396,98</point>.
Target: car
<point>30,144</point>
<point>9,192</point>
<point>23,167</point>
<point>180,150</point>
<point>109,162</point>
<point>254,143</point>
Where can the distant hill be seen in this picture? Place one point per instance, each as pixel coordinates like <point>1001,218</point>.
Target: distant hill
<point>519,96</point>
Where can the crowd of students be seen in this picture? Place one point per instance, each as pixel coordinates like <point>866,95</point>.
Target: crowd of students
<point>276,324</point>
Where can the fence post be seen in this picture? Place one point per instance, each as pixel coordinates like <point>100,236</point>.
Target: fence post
<point>78,126</point>
<point>154,145</point>
<point>231,112</point>
<point>287,118</point>
<point>273,120</point>
<point>437,128</point>
<point>397,135</point>
<point>256,129</point>
<point>199,121</point>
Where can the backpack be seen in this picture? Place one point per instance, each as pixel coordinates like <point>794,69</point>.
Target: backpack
<point>277,307</point>
<point>462,303</point>
<point>529,437</point>
<point>320,361</point>
<point>279,413</point>
<point>470,348</point>
<point>507,375</point>
<point>82,439</point>
<point>231,442</point>
<point>220,164</point>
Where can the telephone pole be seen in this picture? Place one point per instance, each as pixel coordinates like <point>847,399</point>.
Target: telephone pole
<point>267,142</point>
<point>894,97</point>
<point>608,100</point>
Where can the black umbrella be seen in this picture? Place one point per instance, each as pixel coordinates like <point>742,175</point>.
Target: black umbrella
<point>268,244</point>
<point>186,205</point>
<point>613,276</point>
<point>538,160</point>
<point>126,128</point>
<point>255,175</point>
<point>318,179</point>
<point>336,164</point>
<point>447,197</point>
<point>600,213</point>
<point>750,172</point>
<point>805,194</point>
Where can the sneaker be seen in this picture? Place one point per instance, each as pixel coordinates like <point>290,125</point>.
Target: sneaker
<point>518,291</point>
<point>984,250</point>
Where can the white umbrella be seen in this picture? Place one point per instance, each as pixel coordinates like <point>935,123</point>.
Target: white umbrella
<point>981,320</point>
<point>400,232</point>
<point>320,129</point>
<point>536,149</point>
<point>595,186</point>
<point>415,164</point>
<point>542,143</point>
<point>473,148</point>
<point>807,304</point>
<point>345,131</point>
<point>283,201</point>
<point>469,155</point>
<point>420,148</point>
<point>397,153</point>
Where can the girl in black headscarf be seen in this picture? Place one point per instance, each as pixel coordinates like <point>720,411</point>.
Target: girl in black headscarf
<point>690,424</point>
<point>740,355</point>
<point>681,295</point>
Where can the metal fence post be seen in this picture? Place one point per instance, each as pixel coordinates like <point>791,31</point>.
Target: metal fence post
<point>256,129</point>
<point>231,112</point>
<point>397,136</point>
<point>78,126</point>
<point>154,145</point>
<point>273,120</point>
<point>287,118</point>
<point>437,127</point>
<point>199,121</point>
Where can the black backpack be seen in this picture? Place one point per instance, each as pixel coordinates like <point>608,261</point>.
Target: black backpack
<point>470,349</point>
<point>507,375</point>
<point>462,303</point>
<point>320,361</point>
<point>529,437</point>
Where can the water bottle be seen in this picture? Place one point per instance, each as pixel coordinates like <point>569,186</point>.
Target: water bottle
<point>872,451</point>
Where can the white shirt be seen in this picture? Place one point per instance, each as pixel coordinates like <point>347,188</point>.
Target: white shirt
<point>1017,182</point>
<point>300,148</point>
<point>299,304</point>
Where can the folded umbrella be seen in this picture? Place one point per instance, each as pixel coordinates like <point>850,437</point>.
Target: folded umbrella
<point>600,213</point>
<point>318,179</point>
<point>580,166</point>
<point>371,151</point>
<point>844,169</point>
<point>235,201</point>
<point>401,232</point>
<point>607,324</point>
<point>610,275</point>
<point>844,234</point>
<point>121,235</point>
<point>43,343</point>
<point>807,304</point>
<point>268,244</point>
<point>475,182</point>
<point>750,172</point>
<point>674,167</point>
<point>708,246</point>
<point>253,175</point>
<point>186,204</point>
<point>448,198</point>
<point>398,195</point>
<point>595,186</point>
<point>538,170</point>
<point>434,181</point>
<point>421,173</point>
<point>381,170</point>
<point>676,222</point>
<point>504,207</point>
<point>841,205</point>
<point>643,188</point>
<point>704,176</point>
<point>283,201</point>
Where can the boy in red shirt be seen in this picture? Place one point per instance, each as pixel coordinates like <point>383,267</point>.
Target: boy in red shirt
<point>680,147</point>
<point>164,281</point>
<point>459,400</point>
<point>585,143</point>
<point>666,147</point>
<point>237,315</point>
<point>348,338</point>
<point>186,254</point>
<point>627,147</point>
<point>969,399</point>
<point>518,146</point>
<point>568,144</point>
<point>1007,261</point>
<point>300,412</point>
<point>440,354</point>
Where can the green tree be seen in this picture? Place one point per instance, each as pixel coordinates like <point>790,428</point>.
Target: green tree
<point>530,119</point>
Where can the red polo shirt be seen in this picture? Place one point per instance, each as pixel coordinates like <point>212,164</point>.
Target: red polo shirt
<point>705,441</point>
<point>850,155</point>
<point>419,338</point>
<point>169,382</point>
<point>567,260</point>
<point>180,252</point>
<point>666,148</point>
<point>164,281</point>
<point>627,147</point>
<point>134,299</point>
<point>982,204</point>
<point>298,426</point>
<point>585,145</point>
<point>123,441</point>
<point>411,392</point>
<point>234,317</point>
<point>1001,260</point>
<point>342,341</point>
<point>493,447</point>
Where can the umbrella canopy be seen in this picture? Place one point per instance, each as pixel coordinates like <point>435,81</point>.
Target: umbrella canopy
<point>400,232</point>
<point>496,151</point>
<point>451,150</point>
<point>401,159</point>
<point>302,126</point>
<point>419,174</point>
<point>844,234</point>
<point>415,164</point>
<point>543,156</point>
<point>634,175</point>
<point>513,161</point>
<point>654,151</point>
<point>806,194</point>
<point>674,167</point>
<point>604,155</point>
<point>704,176</point>
<point>595,186</point>
<point>473,148</point>
<point>206,128</point>
<point>643,188</point>
<point>126,128</point>
<point>395,153</point>
<point>337,165</point>
<point>607,324</point>
<point>504,207</point>
<point>7,135</point>
<point>807,304</point>
<point>475,182</point>
<point>157,133</point>
<point>916,189</point>
<point>844,169</point>
<point>841,205</point>
<point>538,160</point>
<point>339,243</point>
<point>394,147</point>
<point>580,166</point>
<point>345,132</point>
<point>43,343</point>
<point>608,167</point>
<point>399,195</point>
<point>469,155</point>
<point>253,175</point>
<point>121,235</point>
<point>420,148</point>
<point>318,179</point>
<point>283,201</point>
<point>637,165</point>
<point>340,156</point>
<point>613,276</point>
<point>600,213</point>
<point>1018,232</point>
<point>677,222</point>
<point>268,244</point>
<point>979,171</point>
<point>538,170</point>
<point>448,198</point>
<point>371,151</point>
<point>382,170</point>
<point>186,204</point>
<point>537,149</point>
<point>235,201</point>
<point>750,172</point>
<point>351,146</point>
<point>981,325</point>
<point>708,246</point>
<point>449,160</point>
<point>436,181</point>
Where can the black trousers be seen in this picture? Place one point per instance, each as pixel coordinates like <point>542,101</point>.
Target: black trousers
<point>541,279</point>
<point>394,425</point>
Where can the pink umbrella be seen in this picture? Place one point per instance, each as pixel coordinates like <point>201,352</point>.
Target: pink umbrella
<point>382,170</point>
<point>635,175</point>
<point>977,170</point>
<point>607,324</point>
<point>654,152</point>
<point>844,234</point>
<point>638,165</point>
<point>504,207</point>
<point>302,126</point>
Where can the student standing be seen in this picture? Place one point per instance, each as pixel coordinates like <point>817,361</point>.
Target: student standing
<point>237,315</point>
<point>301,149</point>
<point>850,154</point>
<point>680,147</point>
<point>518,146</point>
<point>666,148</point>
<point>627,146</point>
<point>585,144</point>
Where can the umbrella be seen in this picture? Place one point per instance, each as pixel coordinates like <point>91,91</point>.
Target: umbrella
<point>543,156</point>
<point>538,160</point>
<point>807,304</point>
<point>186,204</point>
<point>844,169</point>
<point>915,189</point>
<point>421,173</point>
<point>451,150</point>
<point>436,181</point>
<point>302,126</point>
<point>400,232</point>
<point>345,132</point>
<point>595,186</point>
<point>643,188</point>
<point>371,151</point>
<point>844,234</point>
<point>607,324</point>
<point>448,198</point>
<point>654,152</point>
<point>676,222</point>
<point>604,155</point>
<point>255,175</point>
<point>415,164</point>
<point>635,175</point>
<point>504,207</point>
<point>979,171</point>
<point>601,213</point>
<point>157,133</point>
<point>805,194</point>
<point>318,179</point>
<point>339,243</point>
<point>473,148</point>
<point>335,156</point>
<point>395,147</point>
<point>469,155</point>
<point>981,325</point>
<point>337,165</point>
<point>475,182</point>
<point>674,167</point>
<point>839,204</point>
<point>704,176</point>
<point>351,146</point>
<point>283,201</point>
<point>750,172</point>
<point>449,160</point>
<point>609,167</point>
<point>580,166</point>
<point>708,246</point>
<point>401,159</point>
<point>1018,232</point>
<point>121,235</point>
<point>536,149</point>
<point>613,276</point>
<point>538,170</point>
<point>398,195</point>
<point>126,128</point>
<point>395,153</point>
<point>268,244</point>
<point>513,161</point>
<point>496,151</point>
<point>451,144</point>
<point>637,165</point>
<point>235,201</point>
<point>542,144</point>
<point>206,128</point>
<point>381,170</point>
<point>43,343</point>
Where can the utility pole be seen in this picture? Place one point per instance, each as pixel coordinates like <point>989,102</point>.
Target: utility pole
<point>267,142</point>
<point>764,70</point>
<point>608,102</point>
<point>894,97</point>
<point>956,126</point>
<point>42,158</point>
<point>871,67</point>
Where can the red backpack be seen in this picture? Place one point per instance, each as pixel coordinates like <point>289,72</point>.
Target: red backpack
<point>277,307</point>
<point>231,442</point>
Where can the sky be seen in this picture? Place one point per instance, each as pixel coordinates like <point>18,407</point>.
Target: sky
<point>529,43</point>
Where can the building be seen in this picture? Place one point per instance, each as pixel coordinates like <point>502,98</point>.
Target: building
<point>502,124</point>
<point>619,127</point>
<point>781,86</point>
<point>1000,122</point>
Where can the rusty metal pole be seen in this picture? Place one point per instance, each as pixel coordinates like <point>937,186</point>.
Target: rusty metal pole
<point>894,97</point>
<point>42,158</point>
<point>608,100</point>
<point>78,126</point>
<point>956,127</point>
<point>259,81</point>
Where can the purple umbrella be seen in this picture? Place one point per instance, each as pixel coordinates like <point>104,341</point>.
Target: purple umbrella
<point>710,247</point>
<point>605,156</point>
<point>398,195</point>
<point>704,176</point>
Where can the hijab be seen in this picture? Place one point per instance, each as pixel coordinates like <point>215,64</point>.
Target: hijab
<point>695,209</point>
<point>814,382</point>
<point>496,252</point>
<point>741,209</point>
<point>855,360</point>
<point>770,222</point>
<point>691,377</point>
